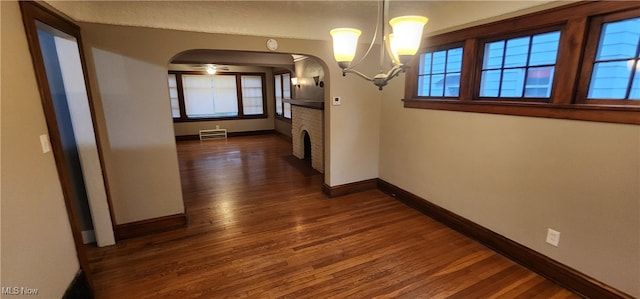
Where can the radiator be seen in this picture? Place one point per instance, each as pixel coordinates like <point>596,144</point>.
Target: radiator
<point>213,134</point>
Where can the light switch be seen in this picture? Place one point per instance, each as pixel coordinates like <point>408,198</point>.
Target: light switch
<point>44,142</point>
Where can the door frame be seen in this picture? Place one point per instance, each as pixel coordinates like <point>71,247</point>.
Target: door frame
<point>32,12</point>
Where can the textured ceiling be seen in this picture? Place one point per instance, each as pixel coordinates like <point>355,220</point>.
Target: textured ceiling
<point>289,19</point>
<point>285,19</point>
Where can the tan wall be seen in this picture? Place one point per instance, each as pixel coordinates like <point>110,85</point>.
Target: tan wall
<point>143,173</point>
<point>283,127</point>
<point>127,67</point>
<point>306,69</point>
<point>519,176</point>
<point>37,244</point>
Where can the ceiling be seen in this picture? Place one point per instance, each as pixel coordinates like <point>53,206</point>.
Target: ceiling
<point>303,19</point>
<point>288,19</point>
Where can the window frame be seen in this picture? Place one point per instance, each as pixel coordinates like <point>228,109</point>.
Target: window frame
<point>275,95</point>
<point>432,50</point>
<point>574,21</point>
<point>238,75</point>
<point>480,55</point>
<point>591,49</point>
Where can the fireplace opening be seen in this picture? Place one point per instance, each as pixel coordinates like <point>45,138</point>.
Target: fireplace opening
<point>307,146</point>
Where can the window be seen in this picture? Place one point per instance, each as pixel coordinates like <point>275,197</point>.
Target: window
<point>252,95</point>
<point>577,61</point>
<point>277,79</point>
<point>616,68</point>
<point>519,67</point>
<point>173,96</point>
<point>210,96</point>
<point>439,73</point>
<point>282,88</point>
<point>199,96</point>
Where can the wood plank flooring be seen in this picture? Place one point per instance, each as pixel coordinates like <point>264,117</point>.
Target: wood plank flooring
<point>259,227</point>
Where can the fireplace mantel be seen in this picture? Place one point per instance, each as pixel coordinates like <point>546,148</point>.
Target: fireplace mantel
<point>305,103</point>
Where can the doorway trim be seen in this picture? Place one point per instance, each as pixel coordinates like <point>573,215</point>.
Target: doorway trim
<point>32,12</point>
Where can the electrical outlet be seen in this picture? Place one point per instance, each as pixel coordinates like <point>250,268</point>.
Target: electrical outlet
<point>553,237</point>
<point>336,101</point>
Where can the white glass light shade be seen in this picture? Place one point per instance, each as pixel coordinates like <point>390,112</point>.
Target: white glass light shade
<point>407,33</point>
<point>392,49</point>
<point>345,41</point>
<point>294,81</point>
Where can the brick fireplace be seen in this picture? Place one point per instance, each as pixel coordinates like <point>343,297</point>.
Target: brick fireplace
<point>307,122</point>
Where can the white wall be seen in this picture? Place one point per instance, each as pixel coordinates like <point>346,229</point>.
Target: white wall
<point>518,176</point>
<point>37,244</point>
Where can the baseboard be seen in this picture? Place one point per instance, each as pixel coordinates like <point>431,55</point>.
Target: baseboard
<point>251,133</point>
<point>229,134</point>
<point>561,274</point>
<point>150,226</point>
<point>350,188</point>
<point>79,287</point>
<point>187,137</point>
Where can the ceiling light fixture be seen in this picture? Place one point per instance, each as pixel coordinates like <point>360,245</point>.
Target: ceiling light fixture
<point>211,69</point>
<point>401,45</point>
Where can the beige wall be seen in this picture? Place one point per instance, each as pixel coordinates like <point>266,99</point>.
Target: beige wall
<point>128,67</point>
<point>282,127</point>
<point>306,69</point>
<point>519,176</point>
<point>37,244</point>
<point>143,175</point>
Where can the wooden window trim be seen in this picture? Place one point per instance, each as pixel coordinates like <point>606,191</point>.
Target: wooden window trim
<point>238,76</point>
<point>575,21</point>
<point>591,48</point>
<point>480,54</point>
<point>438,48</point>
<point>277,116</point>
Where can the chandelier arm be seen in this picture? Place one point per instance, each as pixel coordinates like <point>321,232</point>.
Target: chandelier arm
<point>361,75</point>
<point>383,21</point>
<point>373,40</point>
<point>394,71</point>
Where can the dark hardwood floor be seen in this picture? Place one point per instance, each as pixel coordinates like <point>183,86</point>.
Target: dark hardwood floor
<point>259,227</point>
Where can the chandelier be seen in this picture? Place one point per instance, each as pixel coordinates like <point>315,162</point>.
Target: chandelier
<point>400,45</point>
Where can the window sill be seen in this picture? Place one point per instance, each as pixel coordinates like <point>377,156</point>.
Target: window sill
<point>599,113</point>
